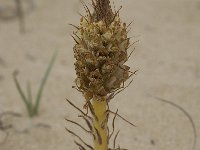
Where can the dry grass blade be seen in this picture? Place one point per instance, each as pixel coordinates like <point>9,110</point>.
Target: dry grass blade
<point>131,53</point>
<point>185,113</point>
<point>122,118</point>
<point>75,107</point>
<point>113,124</point>
<point>115,138</point>
<point>133,43</point>
<point>129,24</point>
<point>112,95</point>
<point>108,133</point>
<point>122,88</point>
<point>87,122</point>
<point>75,39</point>
<point>80,146</point>
<point>90,147</point>
<point>76,36</point>
<point>74,26</point>
<point>78,125</point>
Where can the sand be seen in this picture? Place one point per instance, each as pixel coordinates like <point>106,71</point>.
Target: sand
<point>167,57</point>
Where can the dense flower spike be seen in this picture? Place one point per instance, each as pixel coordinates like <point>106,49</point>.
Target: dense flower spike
<point>100,52</point>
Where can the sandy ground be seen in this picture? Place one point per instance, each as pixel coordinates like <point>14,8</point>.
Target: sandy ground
<point>167,56</point>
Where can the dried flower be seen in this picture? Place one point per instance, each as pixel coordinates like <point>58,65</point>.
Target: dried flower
<point>100,52</point>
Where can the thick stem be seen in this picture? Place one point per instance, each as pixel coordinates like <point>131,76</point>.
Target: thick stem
<point>100,124</point>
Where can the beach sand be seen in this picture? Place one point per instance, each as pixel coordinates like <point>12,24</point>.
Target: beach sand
<point>167,57</point>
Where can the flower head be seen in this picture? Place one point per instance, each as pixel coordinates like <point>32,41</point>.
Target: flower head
<point>100,52</point>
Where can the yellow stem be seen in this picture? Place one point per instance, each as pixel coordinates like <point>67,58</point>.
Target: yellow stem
<point>100,124</point>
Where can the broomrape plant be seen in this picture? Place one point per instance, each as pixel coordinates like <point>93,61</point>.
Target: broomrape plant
<point>101,53</point>
<point>33,107</point>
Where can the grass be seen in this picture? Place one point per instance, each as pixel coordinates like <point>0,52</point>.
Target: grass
<point>33,106</point>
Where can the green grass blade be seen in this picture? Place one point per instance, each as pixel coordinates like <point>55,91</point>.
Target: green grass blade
<point>21,93</point>
<point>43,82</point>
<point>29,94</point>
